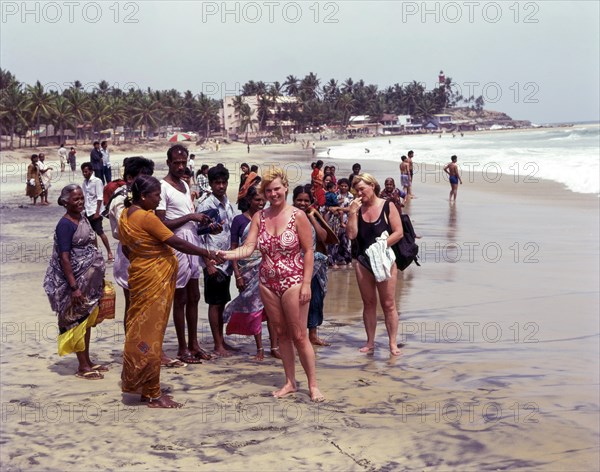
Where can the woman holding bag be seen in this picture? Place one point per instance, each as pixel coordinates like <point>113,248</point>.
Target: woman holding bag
<point>368,217</point>
<point>74,282</point>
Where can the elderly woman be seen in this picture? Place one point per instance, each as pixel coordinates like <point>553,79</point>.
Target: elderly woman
<point>74,282</point>
<point>283,236</point>
<point>147,244</point>
<point>368,217</point>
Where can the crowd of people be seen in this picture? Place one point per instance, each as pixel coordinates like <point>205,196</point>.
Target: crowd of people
<point>172,231</point>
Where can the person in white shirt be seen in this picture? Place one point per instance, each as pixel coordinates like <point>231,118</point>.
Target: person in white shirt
<point>92,191</point>
<point>62,156</point>
<point>45,173</point>
<point>217,278</point>
<point>106,168</point>
<point>176,211</point>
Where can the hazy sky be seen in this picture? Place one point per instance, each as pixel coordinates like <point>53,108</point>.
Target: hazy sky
<point>533,60</point>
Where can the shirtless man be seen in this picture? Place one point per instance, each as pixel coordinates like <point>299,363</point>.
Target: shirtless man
<point>452,170</point>
<point>410,156</point>
<point>405,181</point>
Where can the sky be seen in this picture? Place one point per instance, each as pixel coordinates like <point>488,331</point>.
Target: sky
<point>534,60</point>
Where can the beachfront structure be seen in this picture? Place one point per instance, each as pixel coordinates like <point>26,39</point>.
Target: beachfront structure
<point>276,115</point>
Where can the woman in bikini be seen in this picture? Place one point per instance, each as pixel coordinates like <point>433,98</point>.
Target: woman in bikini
<point>284,237</point>
<point>368,217</point>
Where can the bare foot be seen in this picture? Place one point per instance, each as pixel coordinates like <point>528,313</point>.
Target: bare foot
<point>222,352</point>
<point>275,353</point>
<point>260,355</point>
<point>316,395</point>
<point>287,389</point>
<point>395,351</point>
<point>367,349</point>
<point>164,401</point>
<point>319,342</point>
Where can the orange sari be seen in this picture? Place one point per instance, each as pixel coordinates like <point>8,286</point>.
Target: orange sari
<point>152,276</point>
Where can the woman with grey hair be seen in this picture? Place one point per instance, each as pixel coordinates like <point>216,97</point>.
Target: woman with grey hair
<point>74,282</point>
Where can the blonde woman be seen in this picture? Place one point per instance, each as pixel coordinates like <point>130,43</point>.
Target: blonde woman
<point>283,235</point>
<point>368,217</point>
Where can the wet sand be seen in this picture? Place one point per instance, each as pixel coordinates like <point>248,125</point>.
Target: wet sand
<point>499,371</point>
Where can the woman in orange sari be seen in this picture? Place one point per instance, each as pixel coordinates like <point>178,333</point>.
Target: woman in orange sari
<point>152,274</point>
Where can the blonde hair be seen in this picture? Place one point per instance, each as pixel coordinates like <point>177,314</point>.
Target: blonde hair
<point>270,175</point>
<point>367,179</point>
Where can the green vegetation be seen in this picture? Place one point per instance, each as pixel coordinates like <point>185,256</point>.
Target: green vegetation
<point>85,113</point>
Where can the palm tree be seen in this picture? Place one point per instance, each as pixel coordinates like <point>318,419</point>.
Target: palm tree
<point>414,92</point>
<point>207,111</point>
<point>115,114</point>
<point>426,107</point>
<point>146,111</point>
<point>62,115</point>
<point>309,87</point>
<point>263,111</point>
<point>345,106</point>
<point>38,106</point>
<point>291,85</point>
<point>79,103</point>
<point>331,91</point>
<point>12,105</point>
<point>348,86</point>
<point>246,120</point>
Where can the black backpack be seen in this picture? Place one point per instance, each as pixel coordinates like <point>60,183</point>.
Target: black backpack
<point>406,249</point>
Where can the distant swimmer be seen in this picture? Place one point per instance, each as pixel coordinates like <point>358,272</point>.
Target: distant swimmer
<point>389,141</point>
<point>462,134</point>
<point>452,170</point>
<point>367,150</point>
<point>328,151</point>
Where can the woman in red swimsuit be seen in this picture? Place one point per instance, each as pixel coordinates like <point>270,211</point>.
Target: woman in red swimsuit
<point>283,235</point>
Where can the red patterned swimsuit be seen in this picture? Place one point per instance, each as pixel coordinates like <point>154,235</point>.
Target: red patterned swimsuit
<point>282,264</point>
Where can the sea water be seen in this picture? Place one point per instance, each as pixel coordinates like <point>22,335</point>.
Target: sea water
<point>569,155</point>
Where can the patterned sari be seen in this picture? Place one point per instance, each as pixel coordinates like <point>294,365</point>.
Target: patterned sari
<point>245,313</point>
<point>152,276</point>
<point>88,268</point>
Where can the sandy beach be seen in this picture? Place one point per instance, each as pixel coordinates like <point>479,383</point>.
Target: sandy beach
<point>499,370</point>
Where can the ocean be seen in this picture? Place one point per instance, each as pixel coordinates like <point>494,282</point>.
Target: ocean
<point>569,155</point>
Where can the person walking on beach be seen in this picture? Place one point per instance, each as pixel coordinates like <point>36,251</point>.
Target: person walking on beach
<point>45,175</point>
<point>217,277</point>
<point>74,282</point>
<point>72,159</point>
<point>411,171</point>
<point>33,188</point>
<point>147,243</point>
<point>106,166</point>
<point>282,234</point>
<point>454,176</point>
<point>368,218</point>
<point>96,161</point>
<point>62,157</point>
<point>177,213</point>
<point>93,193</point>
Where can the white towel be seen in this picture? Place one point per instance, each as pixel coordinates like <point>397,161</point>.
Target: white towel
<point>382,258</point>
